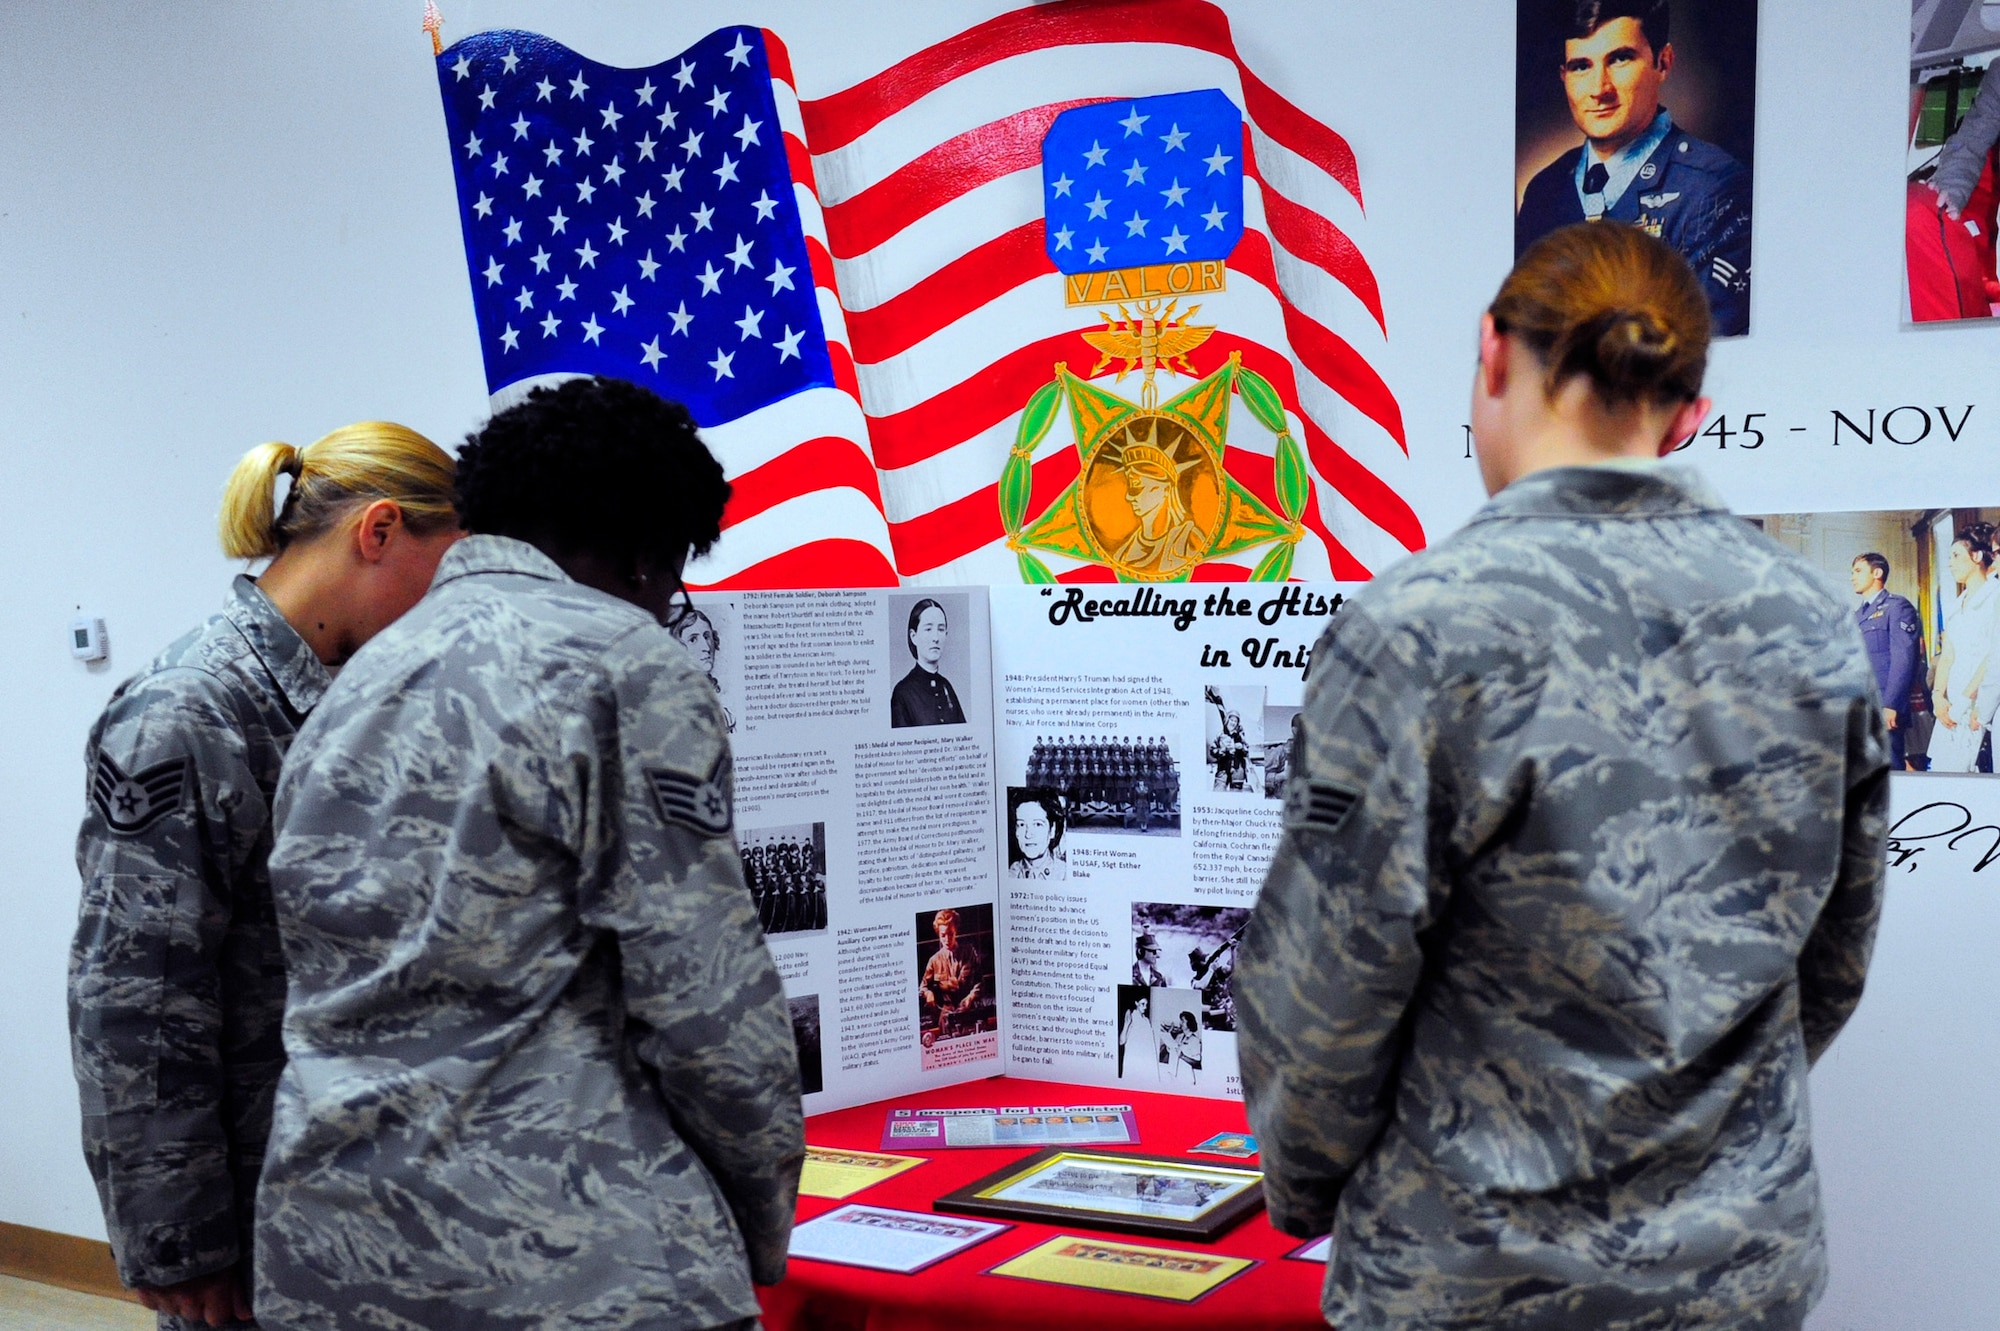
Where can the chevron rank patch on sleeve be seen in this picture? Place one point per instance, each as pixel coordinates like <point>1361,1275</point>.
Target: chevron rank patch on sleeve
<point>131,804</point>
<point>700,804</point>
<point>1318,804</point>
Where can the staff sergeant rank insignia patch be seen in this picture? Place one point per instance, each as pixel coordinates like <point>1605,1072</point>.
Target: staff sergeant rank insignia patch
<point>131,804</point>
<point>697,803</point>
<point>1311,803</point>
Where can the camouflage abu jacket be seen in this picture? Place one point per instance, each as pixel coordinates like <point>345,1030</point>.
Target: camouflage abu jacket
<point>176,982</point>
<point>541,1068</point>
<point>1581,867</point>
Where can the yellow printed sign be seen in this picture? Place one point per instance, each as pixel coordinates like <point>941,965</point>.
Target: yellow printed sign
<point>838,1174</point>
<point>1124,1268</point>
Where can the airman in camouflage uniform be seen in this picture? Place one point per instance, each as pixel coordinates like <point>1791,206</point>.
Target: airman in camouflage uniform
<point>542,1072</point>
<point>176,983</point>
<point>1581,868</point>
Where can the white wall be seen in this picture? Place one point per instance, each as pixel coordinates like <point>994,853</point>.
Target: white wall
<point>222,223</point>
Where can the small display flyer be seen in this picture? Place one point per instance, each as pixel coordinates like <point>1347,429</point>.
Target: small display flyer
<point>1125,1268</point>
<point>903,1242</point>
<point>840,1174</point>
<point>1235,1145</point>
<point>1318,1250</point>
<point>1047,1125</point>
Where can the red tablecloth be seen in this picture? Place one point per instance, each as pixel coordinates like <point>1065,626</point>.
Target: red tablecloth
<point>955,1295</point>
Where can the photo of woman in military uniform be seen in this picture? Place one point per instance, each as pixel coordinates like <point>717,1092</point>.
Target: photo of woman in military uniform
<point>932,634</point>
<point>956,995</point>
<point>1234,748</point>
<point>1035,822</point>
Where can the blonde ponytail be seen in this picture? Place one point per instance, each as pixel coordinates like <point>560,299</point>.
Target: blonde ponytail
<point>249,522</point>
<point>332,478</point>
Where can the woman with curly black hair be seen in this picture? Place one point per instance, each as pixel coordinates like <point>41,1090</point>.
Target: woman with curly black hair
<point>524,955</point>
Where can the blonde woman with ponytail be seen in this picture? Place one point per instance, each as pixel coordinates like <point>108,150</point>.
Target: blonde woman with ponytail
<point>176,981</point>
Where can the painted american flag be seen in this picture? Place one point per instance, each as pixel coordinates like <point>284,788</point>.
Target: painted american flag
<point>918,202</point>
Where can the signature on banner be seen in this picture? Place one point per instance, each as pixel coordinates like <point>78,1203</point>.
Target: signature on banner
<point>1942,825</point>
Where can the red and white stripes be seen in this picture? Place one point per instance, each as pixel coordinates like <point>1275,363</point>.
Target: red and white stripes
<point>922,196</point>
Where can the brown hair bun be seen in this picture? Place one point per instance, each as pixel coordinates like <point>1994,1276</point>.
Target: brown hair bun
<point>1611,303</point>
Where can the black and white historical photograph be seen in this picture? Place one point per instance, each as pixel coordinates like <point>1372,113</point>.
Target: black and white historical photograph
<point>805,1030</point>
<point>1109,783</point>
<point>1278,727</point>
<point>1234,745</point>
<point>1036,818</point>
<point>1135,1032</point>
<point>786,870</point>
<point>1160,1036</point>
<point>708,631</point>
<point>1190,947</point>
<point>929,658</point>
<point>956,996</point>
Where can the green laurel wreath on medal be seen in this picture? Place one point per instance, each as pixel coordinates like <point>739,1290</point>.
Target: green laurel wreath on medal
<point>1152,500</point>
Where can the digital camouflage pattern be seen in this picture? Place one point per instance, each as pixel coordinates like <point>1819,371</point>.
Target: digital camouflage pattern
<point>1581,867</point>
<point>176,981</point>
<point>542,1072</point>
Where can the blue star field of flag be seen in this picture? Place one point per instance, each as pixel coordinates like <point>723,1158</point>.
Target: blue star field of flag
<point>638,223</point>
<point>1159,180</point>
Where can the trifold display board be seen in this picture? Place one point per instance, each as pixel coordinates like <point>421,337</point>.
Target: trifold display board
<point>1010,830</point>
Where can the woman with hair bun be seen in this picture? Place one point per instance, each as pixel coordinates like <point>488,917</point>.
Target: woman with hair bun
<point>176,982</point>
<point>1970,624</point>
<point>925,697</point>
<point>1581,864</point>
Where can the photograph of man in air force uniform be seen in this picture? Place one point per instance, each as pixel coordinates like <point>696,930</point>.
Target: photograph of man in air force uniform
<point>1635,164</point>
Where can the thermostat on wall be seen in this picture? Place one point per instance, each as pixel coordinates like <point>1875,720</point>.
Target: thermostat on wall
<point>86,638</point>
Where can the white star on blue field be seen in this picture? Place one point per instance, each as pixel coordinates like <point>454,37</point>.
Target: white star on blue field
<point>639,223</point>
<point>1157,180</point>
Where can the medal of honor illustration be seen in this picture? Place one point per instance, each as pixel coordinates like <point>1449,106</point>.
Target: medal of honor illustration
<point>1152,499</point>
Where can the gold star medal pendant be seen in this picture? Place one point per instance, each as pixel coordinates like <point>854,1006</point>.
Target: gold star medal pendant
<point>1152,500</point>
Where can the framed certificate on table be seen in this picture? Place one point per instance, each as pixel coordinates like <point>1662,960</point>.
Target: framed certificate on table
<point>1160,1195</point>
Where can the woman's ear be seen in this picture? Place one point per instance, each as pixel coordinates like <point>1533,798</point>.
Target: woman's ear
<point>380,522</point>
<point>1492,358</point>
<point>1686,424</point>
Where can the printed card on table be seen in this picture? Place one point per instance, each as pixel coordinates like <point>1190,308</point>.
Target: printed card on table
<point>1046,1125</point>
<point>1317,1250</point>
<point>1235,1145</point>
<point>1125,1268</point>
<point>840,1174</point>
<point>904,1242</point>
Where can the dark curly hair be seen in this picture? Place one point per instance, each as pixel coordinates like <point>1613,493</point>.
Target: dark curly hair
<point>597,466</point>
<point>1977,538</point>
